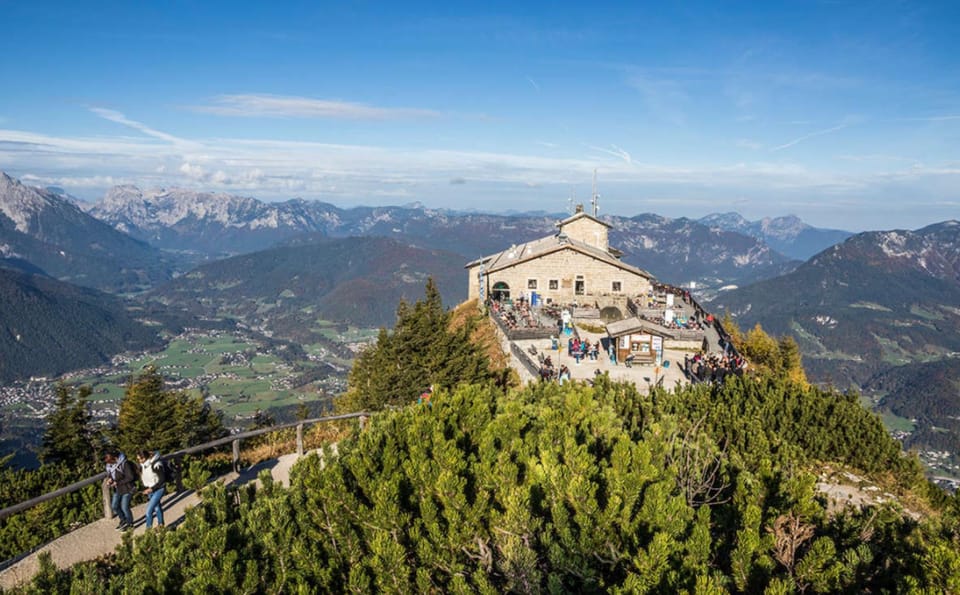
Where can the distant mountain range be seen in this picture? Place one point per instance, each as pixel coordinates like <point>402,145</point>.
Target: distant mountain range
<point>286,291</point>
<point>48,327</point>
<point>42,231</point>
<point>211,225</point>
<point>787,235</point>
<point>879,312</point>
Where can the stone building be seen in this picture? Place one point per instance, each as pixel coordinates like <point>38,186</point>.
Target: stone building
<point>575,265</point>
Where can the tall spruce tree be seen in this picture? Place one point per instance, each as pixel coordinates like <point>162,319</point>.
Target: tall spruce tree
<point>422,351</point>
<point>153,418</point>
<point>70,437</point>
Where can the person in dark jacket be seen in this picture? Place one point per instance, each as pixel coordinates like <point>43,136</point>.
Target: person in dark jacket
<point>123,480</point>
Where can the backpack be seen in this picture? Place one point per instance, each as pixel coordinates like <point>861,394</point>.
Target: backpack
<point>164,470</point>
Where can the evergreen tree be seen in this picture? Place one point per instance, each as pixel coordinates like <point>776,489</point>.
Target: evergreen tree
<point>70,438</point>
<point>424,350</point>
<point>791,362</point>
<point>153,418</point>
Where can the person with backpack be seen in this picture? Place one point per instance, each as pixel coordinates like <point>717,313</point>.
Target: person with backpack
<point>123,479</point>
<point>153,476</point>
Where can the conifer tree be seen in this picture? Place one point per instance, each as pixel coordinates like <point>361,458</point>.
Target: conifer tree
<point>153,418</point>
<point>69,438</point>
<point>422,351</point>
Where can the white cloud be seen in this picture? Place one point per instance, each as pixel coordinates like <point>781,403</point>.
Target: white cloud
<point>363,174</point>
<point>810,135</point>
<point>115,116</point>
<point>283,106</point>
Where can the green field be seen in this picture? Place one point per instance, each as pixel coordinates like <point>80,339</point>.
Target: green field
<point>234,374</point>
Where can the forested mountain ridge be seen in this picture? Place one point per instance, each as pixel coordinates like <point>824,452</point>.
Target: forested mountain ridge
<point>48,327</point>
<point>287,289</point>
<point>56,236</point>
<point>877,303</point>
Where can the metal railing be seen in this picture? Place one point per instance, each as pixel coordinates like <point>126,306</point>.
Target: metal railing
<point>233,439</point>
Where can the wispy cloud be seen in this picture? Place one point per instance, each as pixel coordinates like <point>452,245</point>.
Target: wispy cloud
<point>533,84</point>
<point>615,151</point>
<point>365,174</point>
<point>286,106</point>
<point>944,118</point>
<point>808,136</point>
<point>665,98</point>
<point>115,116</point>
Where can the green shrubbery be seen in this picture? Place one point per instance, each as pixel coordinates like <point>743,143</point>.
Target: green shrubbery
<point>583,488</point>
<point>572,488</point>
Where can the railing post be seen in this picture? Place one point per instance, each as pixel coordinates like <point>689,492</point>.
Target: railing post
<point>107,503</point>
<point>236,455</point>
<point>299,440</point>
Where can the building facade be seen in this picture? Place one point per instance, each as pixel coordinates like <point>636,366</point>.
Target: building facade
<point>575,265</point>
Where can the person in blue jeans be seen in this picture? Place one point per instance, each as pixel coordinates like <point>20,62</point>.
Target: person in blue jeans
<point>154,484</point>
<point>123,480</point>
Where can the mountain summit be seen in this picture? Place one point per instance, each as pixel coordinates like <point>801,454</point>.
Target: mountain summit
<point>788,234</point>
<point>54,235</point>
<point>206,222</point>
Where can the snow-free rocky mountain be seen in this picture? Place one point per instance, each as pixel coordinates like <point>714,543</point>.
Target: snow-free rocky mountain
<point>213,224</point>
<point>676,250</point>
<point>40,231</point>
<point>787,235</point>
<point>879,312</point>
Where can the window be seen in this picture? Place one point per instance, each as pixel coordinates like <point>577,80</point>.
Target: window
<point>531,283</point>
<point>579,287</point>
<point>617,287</point>
<point>554,284</point>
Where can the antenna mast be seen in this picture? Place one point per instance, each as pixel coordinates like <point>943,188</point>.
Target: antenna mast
<point>595,199</point>
<point>571,200</point>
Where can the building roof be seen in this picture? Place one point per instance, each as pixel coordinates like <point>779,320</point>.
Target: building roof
<point>634,325</point>
<point>537,248</point>
<point>581,215</point>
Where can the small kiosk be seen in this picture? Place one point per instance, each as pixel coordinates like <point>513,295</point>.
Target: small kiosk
<point>638,341</point>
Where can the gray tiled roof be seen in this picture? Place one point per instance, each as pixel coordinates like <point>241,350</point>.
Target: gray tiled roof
<point>637,325</point>
<point>543,246</point>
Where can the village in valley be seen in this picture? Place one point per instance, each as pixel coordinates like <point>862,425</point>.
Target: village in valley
<point>565,306</point>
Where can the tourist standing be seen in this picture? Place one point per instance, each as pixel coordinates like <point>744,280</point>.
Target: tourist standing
<point>154,483</point>
<point>123,480</point>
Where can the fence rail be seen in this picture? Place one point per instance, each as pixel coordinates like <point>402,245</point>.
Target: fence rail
<point>233,439</point>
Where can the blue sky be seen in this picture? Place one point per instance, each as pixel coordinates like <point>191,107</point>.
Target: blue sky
<point>844,113</point>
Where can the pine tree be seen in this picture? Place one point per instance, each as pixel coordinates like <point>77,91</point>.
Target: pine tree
<point>153,418</point>
<point>70,438</point>
<point>422,351</point>
<point>791,362</point>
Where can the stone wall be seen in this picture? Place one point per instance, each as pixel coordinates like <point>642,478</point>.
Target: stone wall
<point>587,231</point>
<point>563,267</point>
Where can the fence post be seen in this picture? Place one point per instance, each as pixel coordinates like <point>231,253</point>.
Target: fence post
<point>107,504</point>
<point>363,422</point>
<point>299,440</point>
<point>236,455</point>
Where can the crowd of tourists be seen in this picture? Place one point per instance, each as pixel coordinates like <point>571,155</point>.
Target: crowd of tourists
<point>151,472</point>
<point>713,367</point>
<point>583,349</point>
<point>516,315</point>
